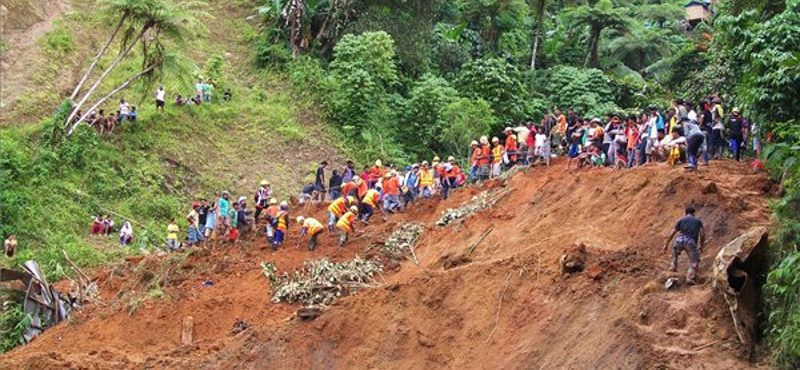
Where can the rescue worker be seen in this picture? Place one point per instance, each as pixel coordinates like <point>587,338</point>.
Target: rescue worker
<point>485,158</point>
<point>391,188</point>
<point>450,172</point>
<point>369,204</point>
<point>261,197</point>
<point>310,227</point>
<point>473,163</point>
<point>272,214</point>
<point>362,189</point>
<point>281,225</point>
<point>497,157</point>
<point>375,174</point>
<point>346,224</point>
<point>437,174</point>
<point>350,188</point>
<point>691,239</point>
<point>337,209</point>
<point>426,182</point>
<point>511,147</point>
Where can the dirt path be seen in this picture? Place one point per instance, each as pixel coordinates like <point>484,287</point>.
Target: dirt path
<point>505,307</point>
<point>25,21</point>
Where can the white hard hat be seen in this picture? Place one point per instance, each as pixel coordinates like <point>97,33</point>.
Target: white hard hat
<point>495,140</point>
<point>300,219</point>
<point>378,163</point>
<point>284,204</point>
<point>451,158</point>
<point>473,143</point>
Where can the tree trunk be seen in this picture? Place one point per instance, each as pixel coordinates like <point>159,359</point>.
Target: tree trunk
<point>493,36</point>
<point>97,57</point>
<point>593,58</point>
<point>105,74</point>
<point>109,95</point>
<point>535,47</point>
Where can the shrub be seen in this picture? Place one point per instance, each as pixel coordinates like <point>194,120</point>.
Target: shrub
<point>496,82</point>
<point>424,113</point>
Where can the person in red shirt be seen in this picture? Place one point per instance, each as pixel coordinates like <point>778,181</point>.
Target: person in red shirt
<point>391,190</point>
<point>365,175</point>
<point>511,146</point>
<point>375,174</point>
<point>450,176</point>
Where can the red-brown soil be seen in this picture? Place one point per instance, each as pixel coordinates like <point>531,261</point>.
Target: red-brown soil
<point>505,306</point>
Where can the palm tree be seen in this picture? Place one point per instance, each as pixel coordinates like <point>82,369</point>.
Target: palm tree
<point>477,10</point>
<point>598,17</point>
<point>640,45</point>
<point>161,16</point>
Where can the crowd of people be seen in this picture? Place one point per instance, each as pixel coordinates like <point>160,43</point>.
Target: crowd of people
<point>684,133</point>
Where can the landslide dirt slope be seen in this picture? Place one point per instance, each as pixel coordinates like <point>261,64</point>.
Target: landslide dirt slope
<point>507,306</point>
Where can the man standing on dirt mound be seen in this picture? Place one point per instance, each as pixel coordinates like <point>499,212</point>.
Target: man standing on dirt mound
<point>690,229</point>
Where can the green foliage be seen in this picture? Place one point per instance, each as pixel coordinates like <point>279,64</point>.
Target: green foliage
<point>214,68</point>
<point>586,90</point>
<point>597,17</point>
<point>466,120</point>
<point>12,324</point>
<point>58,41</point>
<point>498,83</point>
<point>269,54</point>
<point>424,114</point>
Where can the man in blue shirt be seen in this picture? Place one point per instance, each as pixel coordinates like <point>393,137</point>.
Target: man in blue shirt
<point>691,238</point>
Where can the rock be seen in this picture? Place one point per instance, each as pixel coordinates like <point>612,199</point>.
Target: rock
<point>710,188</point>
<point>594,272</point>
<point>309,313</point>
<point>672,283</point>
<point>573,261</point>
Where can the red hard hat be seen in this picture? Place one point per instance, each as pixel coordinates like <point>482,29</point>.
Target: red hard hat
<point>195,205</point>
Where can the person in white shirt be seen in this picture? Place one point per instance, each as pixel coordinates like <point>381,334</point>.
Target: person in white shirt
<point>124,109</point>
<point>691,114</point>
<point>160,93</point>
<point>126,234</point>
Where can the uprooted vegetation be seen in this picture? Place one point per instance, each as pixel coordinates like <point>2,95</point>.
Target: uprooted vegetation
<point>321,281</point>
<point>486,199</point>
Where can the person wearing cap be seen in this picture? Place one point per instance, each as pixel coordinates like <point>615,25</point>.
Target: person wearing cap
<point>484,160</point>
<point>450,177</point>
<point>474,159</point>
<point>391,188</point>
<point>193,218</point>
<point>281,225</point>
<point>319,181</point>
<point>375,174</point>
<point>737,131</point>
<point>497,157</point>
<point>370,202</point>
<point>438,173</point>
<point>310,227</point>
<point>426,182</point>
<point>349,188</point>
<point>261,198</point>
<point>411,185</point>
<point>271,216</point>
<point>511,147</point>
<point>347,224</point>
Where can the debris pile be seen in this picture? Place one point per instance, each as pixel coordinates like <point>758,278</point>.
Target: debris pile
<point>321,281</point>
<point>402,241</point>
<point>484,200</point>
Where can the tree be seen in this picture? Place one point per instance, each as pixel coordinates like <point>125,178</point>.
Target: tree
<point>585,90</point>
<point>640,46</point>
<point>478,10</point>
<point>497,82</point>
<point>466,120</point>
<point>163,17</point>
<point>538,8</point>
<point>425,111</point>
<point>598,17</point>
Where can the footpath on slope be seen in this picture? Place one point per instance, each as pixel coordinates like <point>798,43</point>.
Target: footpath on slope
<point>488,291</point>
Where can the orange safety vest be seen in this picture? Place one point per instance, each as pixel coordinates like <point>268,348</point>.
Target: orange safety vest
<point>348,187</point>
<point>372,197</point>
<point>391,186</point>
<point>345,223</point>
<point>273,211</point>
<point>282,220</point>
<point>312,226</point>
<point>511,147</point>
<point>476,155</point>
<point>486,153</point>
<point>497,154</point>
<point>454,172</point>
<point>375,173</point>
<point>338,207</point>
<point>426,178</point>
<point>362,189</point>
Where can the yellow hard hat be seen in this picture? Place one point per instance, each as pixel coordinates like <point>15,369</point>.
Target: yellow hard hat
<point>300,219</point>
<point>351,199</point>
<point>264,183</point>
<point>735,110</point>
<point>354,209</point>
<point>273,201</point>
<point>436,159</point>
